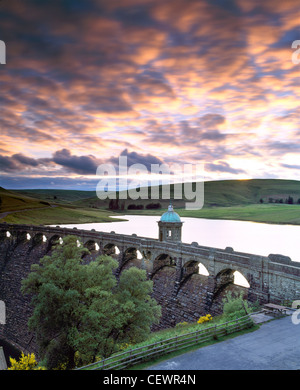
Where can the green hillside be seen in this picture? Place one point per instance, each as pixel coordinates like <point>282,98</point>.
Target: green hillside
<point>238,192</point>
<point>57,196</point>
<point>260,200</point>
<point>17,207</point>
<point>11,201</point>
<point>221,193</point>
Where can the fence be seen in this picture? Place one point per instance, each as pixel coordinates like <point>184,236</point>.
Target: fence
<point>134,356</point>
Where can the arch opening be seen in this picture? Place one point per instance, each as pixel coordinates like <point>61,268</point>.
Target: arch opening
<point>110,250</point>
<point>37,239</point>
<point>91,245</point>
<point>202,270</point>
<point>240,280</point>
<point>54,240</point>
<point>22,237</point>
<point>130,254</point>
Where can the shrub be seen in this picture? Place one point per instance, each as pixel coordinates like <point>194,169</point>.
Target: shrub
<point>205,318</point>
<point>235,306</point>
<point>153,206</point>
<point>26,362</point>
<point>135,207</point>
<point>181,324</point>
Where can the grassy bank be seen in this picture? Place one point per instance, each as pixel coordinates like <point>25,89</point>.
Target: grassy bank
<point>145,365</point>
<point>175,341</point>
<point>10,201</point>
<point>265,213</point>
<point>59,215</point>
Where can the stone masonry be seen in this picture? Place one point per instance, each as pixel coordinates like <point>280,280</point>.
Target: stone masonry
<point>183,293</point>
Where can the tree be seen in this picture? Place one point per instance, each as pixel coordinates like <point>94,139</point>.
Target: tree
<point>82,309</point>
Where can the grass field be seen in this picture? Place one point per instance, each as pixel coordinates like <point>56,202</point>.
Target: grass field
<point>223,193</point>
<point>57,196</point>
<point>227,199</point>
<point>59,215</point>
<point>265,213</point>
<point>10,201</point>
<point>268,213</point>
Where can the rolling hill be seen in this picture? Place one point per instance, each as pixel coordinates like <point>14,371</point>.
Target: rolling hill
<point>223,193</point>
<point>247,200</point>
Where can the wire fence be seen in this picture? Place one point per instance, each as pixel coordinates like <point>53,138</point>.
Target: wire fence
<point>145,353</point>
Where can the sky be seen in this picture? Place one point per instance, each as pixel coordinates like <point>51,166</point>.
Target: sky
<point>158,81</point>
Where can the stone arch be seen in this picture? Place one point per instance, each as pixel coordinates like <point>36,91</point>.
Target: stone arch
<point>161,261</point>
<point>224,281</point>
<point>129,254</point>
<point>53,241</point>
<point>232,270</point>
<point>110,249</point>
<point>5,234</point>
<point>190,268</point>
<point>38,239</point>
<point>91,245</point>
<point>94,250</point>
<point>22,236</point>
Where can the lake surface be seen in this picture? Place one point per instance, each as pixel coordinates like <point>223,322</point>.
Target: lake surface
<point>251,237</point>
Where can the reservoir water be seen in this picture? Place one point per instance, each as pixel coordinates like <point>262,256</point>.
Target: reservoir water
<point>243,236</point>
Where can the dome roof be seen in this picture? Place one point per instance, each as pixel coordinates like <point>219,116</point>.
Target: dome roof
<point>170,216</point>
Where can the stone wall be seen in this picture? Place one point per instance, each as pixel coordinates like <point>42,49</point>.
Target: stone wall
<point>183,294</point>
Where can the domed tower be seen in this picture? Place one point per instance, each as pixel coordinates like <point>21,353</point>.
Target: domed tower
<point>170,226</point>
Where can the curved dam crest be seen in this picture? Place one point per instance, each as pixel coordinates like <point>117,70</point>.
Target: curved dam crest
<point>182,292</point>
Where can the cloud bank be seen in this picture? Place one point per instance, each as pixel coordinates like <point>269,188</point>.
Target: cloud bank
<point>174,80</point>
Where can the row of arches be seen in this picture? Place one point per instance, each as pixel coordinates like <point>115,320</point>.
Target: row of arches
<point>160,261</point>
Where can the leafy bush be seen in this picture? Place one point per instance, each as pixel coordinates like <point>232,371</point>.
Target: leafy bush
<point>235,306</point>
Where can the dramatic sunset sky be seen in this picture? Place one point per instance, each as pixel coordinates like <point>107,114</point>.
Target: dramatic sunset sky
<point>183,81</point>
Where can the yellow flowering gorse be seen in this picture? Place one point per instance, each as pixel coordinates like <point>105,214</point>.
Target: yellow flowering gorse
<point>205,318</point>
<point>26,362</point>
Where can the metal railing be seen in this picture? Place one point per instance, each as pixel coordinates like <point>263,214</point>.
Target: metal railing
<point>134,356</point>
